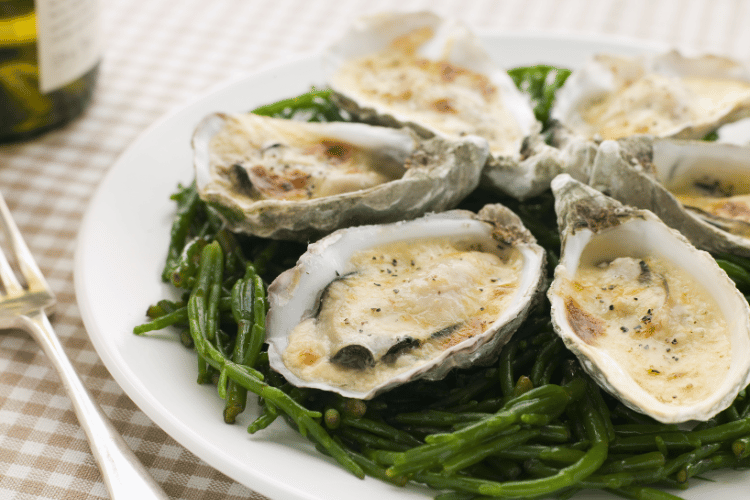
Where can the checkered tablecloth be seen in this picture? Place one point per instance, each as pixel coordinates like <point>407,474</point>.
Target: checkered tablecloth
<point>158,55</point>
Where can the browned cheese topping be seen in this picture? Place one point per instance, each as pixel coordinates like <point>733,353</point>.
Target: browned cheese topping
<point>649,103</point>
<point>655,322</point>
<point>285,160</point>
<point>404,305</point>
<point>720,204</point>
<point>438,93</point>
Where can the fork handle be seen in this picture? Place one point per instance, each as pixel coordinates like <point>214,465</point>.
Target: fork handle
<point>123,474</point>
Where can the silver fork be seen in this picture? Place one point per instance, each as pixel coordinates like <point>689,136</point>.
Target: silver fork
<point>26,306</point>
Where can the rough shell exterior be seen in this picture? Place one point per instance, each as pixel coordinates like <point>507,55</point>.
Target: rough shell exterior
<point>585,214</point>
<point>635,171</point>
<point>294,295</point>
<point>531,173</point>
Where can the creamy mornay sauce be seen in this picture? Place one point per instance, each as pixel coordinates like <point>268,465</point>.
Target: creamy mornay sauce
<point>437,291</point>
<point>656,322</point>
<point>440,94</point>
<point>284,161</point>
<point>656,104</point>
<point>733,208</point>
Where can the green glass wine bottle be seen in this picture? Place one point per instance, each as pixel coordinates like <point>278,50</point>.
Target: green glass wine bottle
<point>49,59</point>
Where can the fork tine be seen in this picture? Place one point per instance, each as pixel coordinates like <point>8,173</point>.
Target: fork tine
<point>8,277</point>
<point>34,278</point>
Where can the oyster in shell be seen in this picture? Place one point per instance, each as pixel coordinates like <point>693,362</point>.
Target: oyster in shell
<point>433,74</point>
<point>666,95</point>
<point>700,188</point>
<point>371,307</point>
<point>655,321</point>
<point>296,180</point>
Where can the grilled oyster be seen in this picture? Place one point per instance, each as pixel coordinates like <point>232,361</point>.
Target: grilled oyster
<point>371,307</point>
<point>433,74</point>
<point>655,321</point>
<point>288,179</point>
<point>700,188</point>
<point>667,95</point>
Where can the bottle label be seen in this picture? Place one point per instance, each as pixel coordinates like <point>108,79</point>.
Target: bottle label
<point>68,40</point>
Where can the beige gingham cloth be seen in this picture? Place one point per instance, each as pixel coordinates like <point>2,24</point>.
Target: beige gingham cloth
<point>158,55</point>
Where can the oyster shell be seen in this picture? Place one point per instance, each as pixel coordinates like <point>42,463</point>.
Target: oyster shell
<point>735,133</point>
<point>370,307</point>
<point>288,179</point>
<point>530,174</point>
<point>700,188</point>
<point>656,322</point>
<point>433,74</point>
<point>667,95</point>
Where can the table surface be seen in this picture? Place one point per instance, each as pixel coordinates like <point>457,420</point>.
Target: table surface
<point>158,55</point>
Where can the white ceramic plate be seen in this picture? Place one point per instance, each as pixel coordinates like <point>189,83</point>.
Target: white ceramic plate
<point>121,250</point>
